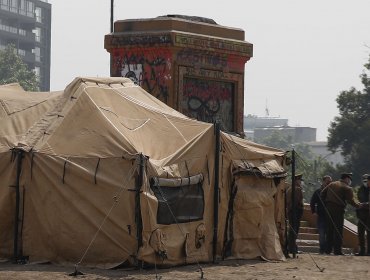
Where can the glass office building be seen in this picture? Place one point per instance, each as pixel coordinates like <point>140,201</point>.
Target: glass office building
<point>27,25</point>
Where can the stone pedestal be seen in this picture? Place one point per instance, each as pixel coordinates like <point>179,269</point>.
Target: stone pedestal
<point>192,64</point>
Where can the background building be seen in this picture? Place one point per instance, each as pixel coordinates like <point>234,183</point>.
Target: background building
<point>251,122</point>
<point>296,134</point>
<point>320,149</point>
<point>256,128</point>
<point>27,25</point>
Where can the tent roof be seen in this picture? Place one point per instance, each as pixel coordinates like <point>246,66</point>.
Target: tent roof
<point>96,117</point>
<point>20,110</point>
<point>106,117</point>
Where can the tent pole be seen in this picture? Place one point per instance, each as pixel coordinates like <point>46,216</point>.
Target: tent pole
<point>138,218</point>
<point>216,190</point>
<point>111,31</point>
<point>286,247</point>
<point>293,234</point>
<point>17,205</point>
<point>111,16</point>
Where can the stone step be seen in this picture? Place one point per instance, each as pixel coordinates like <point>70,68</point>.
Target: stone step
<point>304,224</point>
<point>315,249</point>
<point>308,249</point>
<point>305,242</point>
<point>307,230</point>
<point>308,239</point>
<point>308,236</point>
<point>312,246</point>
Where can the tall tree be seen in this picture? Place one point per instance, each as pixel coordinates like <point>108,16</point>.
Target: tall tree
<point>14,70</point>
<point>350,131</point>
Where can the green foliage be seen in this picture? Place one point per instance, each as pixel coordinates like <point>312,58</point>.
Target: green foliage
<point>14,70</point>
<point>351,130</point>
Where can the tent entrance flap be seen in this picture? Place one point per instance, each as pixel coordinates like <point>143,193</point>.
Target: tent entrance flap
<point>251,219</point>
<point>180,200</point>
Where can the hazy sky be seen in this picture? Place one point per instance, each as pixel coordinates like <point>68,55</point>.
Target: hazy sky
<point>305,52</point>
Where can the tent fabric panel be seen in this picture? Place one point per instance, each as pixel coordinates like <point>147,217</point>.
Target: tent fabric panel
<point>14,128</point>
<point>175,237</point>
<point>255,232</point>
<point>64,210</point>
<point>7,204</point>
<point>146,100</point>
<point>13,103</point>
<point>179,240</point>
<point>16,87</point>
<point>128,90</point>
<point>85,132</point>
<point>140,122</point>
<point>238,148</point>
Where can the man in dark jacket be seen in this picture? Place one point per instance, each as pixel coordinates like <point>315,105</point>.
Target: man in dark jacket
<point>363,216</point>
<point>318,209</point>
<point>295,220</point>
<point>336,195</point>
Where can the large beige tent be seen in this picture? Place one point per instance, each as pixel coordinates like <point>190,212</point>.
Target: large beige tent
<point>103,174</point>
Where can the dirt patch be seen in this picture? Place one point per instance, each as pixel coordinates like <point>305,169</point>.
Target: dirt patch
<point>303,267</point>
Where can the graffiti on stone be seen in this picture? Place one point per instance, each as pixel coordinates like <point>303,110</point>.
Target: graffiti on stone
<point>144,40</point>
<point>210,60</point>
<point>194,41</point>
<point>133,71</point>
<point>191,57</point>
<point>148,68</point>
<point>208,100</point>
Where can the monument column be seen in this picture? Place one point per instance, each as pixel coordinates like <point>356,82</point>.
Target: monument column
<point>192,64</point>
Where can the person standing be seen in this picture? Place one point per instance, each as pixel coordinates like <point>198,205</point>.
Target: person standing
<point>363,216</point>
<point>318,209</point>
<point>298,207</point>
<point>335,196</point>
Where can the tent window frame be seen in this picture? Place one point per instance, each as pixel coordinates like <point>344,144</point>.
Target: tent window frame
<point>180,200</point>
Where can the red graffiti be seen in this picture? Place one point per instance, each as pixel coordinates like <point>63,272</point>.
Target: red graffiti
<point>208,100</point>
<point>205,89</point>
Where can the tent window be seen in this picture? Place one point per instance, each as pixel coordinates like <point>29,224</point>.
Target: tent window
<point>181,204</point>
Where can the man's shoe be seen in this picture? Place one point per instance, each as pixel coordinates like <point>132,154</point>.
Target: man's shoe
<point>338,254</point>
<point>328,251</point>
<point>360,254</point>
